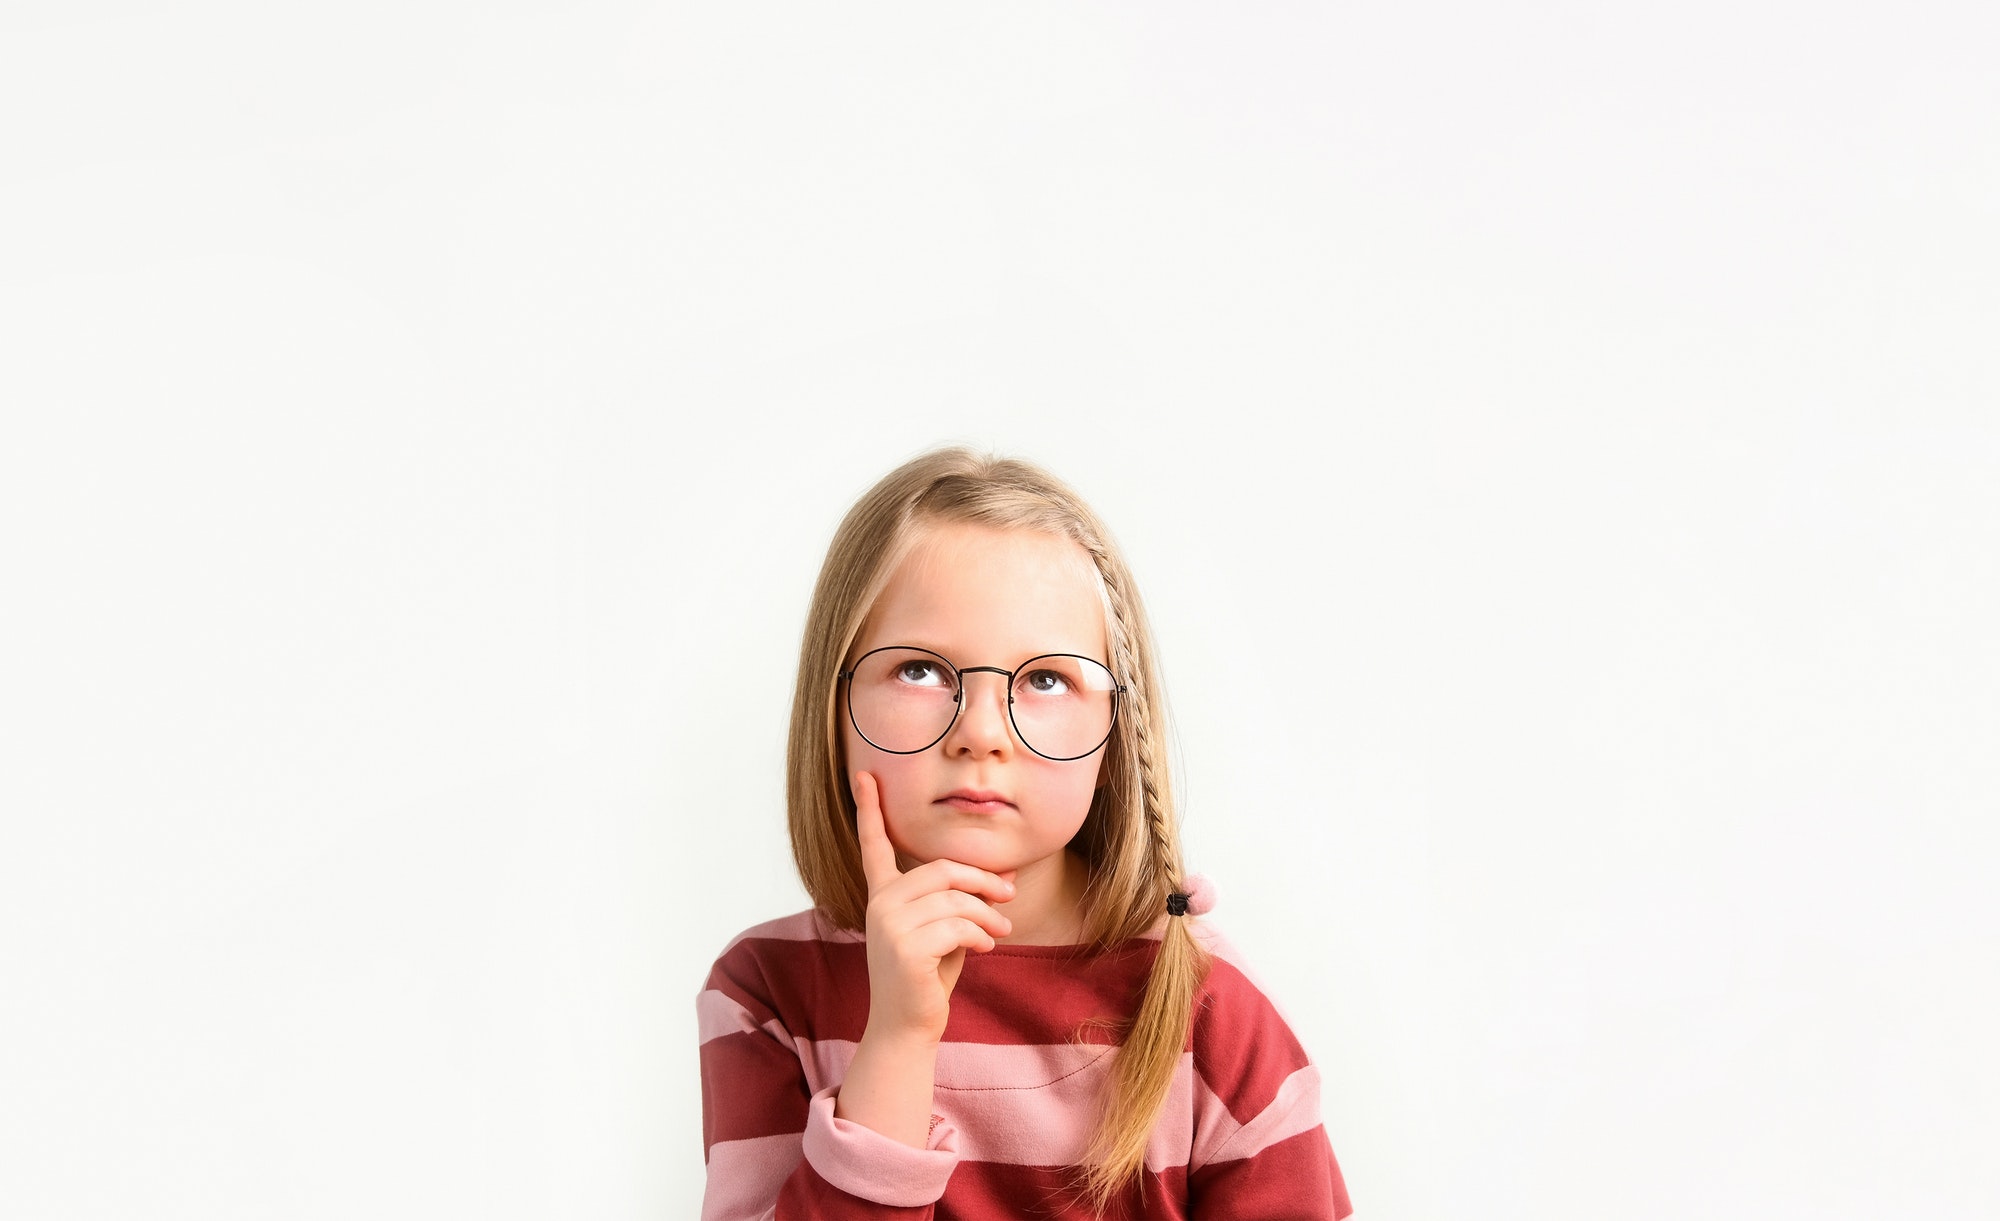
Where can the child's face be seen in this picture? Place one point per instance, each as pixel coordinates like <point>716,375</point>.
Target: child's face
<point>983,597</point>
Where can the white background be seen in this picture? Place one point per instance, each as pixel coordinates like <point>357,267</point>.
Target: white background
<point>1557,442</point>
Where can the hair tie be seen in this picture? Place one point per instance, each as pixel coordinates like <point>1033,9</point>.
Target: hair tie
<point>1198,899</point>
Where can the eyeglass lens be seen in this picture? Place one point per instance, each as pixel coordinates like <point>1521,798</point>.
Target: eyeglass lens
<point>904,700</point>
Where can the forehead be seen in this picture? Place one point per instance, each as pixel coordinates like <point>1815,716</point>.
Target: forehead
<point>985,596</point>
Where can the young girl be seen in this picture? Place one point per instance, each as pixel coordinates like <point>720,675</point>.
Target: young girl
<point>1002,1003</point>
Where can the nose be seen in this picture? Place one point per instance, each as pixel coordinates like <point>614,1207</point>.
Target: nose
<point>982,727</point>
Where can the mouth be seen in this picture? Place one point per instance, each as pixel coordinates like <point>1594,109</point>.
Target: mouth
<point>975,801</point>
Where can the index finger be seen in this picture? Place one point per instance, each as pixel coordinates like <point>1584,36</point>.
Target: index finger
<point>878,855</point>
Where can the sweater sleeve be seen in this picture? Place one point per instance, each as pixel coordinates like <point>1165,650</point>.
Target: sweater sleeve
<point>1260,1149</point>
<point>774,1149</point>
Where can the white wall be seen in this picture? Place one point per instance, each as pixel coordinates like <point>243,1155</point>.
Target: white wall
<point>424,423</point>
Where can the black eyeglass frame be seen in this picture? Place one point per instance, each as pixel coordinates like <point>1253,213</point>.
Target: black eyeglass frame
<point>958,682</point>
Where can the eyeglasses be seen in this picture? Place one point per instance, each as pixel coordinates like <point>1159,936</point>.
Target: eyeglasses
<point>904,700</point>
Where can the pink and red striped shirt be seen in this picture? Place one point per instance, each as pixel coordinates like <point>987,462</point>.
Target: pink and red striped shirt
<point>1016,1087</point>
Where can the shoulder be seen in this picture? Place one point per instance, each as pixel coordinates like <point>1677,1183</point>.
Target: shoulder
<point>795,971</point>
<point>1232,988</point>
<point>790,948</point>
<point>1244,1048</point>
<point>810,925</point>
<point>1231,982</point>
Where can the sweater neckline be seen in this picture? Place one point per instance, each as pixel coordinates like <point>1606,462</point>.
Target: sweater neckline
<point>1081,949</point>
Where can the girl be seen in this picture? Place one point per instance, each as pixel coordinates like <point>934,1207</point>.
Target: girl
<point>1001,1004</point>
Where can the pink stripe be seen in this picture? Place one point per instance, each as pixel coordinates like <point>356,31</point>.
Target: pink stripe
<point>1028,1105</point>
<point>1295,1109</point>
<point>716,1014</point>
<point>967,1075</point>
<point>974,1067</point>
<point>1049,1125</point>
<point>1169,1144</point>
<point>825,1061</point>
<point>1036,1105</point>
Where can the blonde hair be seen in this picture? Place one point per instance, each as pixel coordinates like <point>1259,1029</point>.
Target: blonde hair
<point>1129,839</point>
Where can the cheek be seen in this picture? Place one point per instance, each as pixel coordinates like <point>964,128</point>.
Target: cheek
<point>1066,794</point>
<point>903,788</point>
<point>899,779</point>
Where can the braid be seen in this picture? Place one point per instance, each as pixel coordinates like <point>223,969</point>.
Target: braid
<point>1151,1053</point>
<point>1160,837</point>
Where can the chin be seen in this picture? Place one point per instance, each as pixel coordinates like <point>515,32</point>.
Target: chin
<point>969,851</point>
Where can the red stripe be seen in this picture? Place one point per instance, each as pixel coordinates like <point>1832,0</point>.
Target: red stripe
<point>1297,1177</point>
<point>996,1191</point>
<point>819,990</point>
<point>751,1086</point>
<point>1242,1048</point>
<point>808,1197</point>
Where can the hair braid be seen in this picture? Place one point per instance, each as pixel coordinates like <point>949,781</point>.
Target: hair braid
<point>1152,1049</point>
<point>1158,808</point>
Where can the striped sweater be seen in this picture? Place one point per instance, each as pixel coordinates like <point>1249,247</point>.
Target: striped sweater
<point>1240,1137</point>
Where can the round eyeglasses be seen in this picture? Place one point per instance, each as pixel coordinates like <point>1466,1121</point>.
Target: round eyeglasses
<point>904,700</point>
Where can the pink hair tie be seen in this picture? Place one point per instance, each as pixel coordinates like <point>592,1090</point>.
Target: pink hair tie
<point>1198,900</point>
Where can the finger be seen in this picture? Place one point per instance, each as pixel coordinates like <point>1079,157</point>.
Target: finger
<point>878,855</point>
<point>940,938</point>
<point>944,873</point>
<point>946,904</point>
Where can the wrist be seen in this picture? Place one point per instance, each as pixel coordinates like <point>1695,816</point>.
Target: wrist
<point>888,1085</point>
<point>892,1039</point>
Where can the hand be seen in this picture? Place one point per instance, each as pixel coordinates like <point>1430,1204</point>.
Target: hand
<point>920,925</point>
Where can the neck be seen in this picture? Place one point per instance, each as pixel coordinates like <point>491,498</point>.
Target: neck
<point>1047,907</point>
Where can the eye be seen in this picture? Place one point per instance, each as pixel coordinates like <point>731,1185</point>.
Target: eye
<point>913,672</point>
<point>1046,682</point>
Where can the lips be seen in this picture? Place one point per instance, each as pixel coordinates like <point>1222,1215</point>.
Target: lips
<point>975,795</point>
<point>975,801</point>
